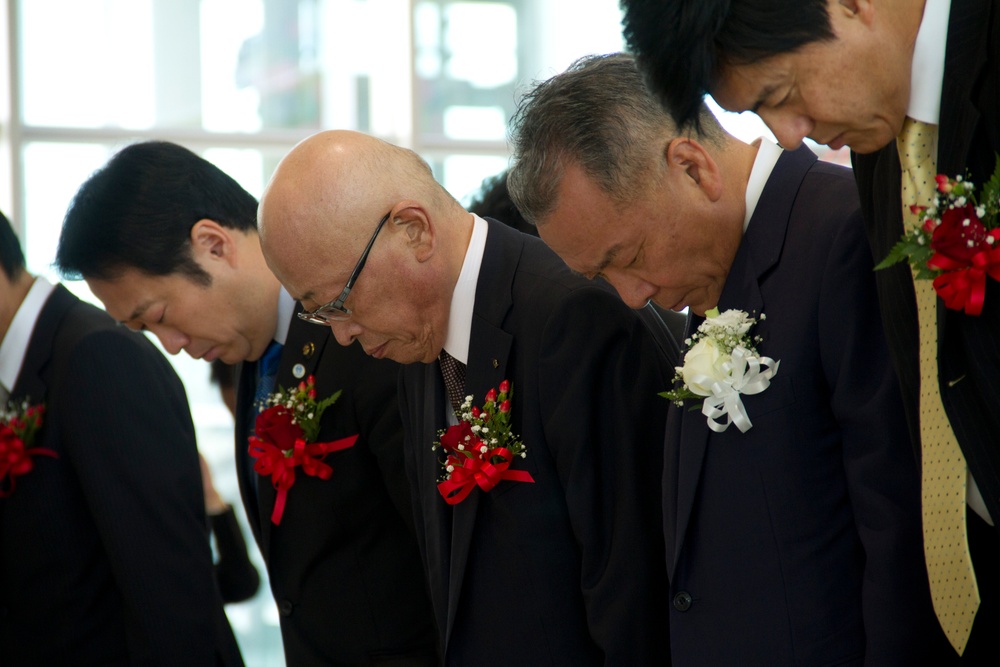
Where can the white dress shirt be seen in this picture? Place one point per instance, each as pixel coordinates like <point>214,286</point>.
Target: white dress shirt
<point>15,343</point>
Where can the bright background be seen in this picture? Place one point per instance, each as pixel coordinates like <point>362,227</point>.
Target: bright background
<point>240,82</point>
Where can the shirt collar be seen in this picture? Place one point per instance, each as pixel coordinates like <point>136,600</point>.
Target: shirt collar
<point>15,342</point>
<point>927,69</point>
<point>463,298</point>
<point>286,309</point>
<point>768,153</point>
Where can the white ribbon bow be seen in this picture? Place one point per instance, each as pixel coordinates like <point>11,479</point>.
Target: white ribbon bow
<point>744,374</point>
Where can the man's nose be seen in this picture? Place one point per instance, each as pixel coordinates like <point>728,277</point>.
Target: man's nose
<point>345,332</point>
<point>172,340</point>
<point>635,292</point>
<point>789,127</point>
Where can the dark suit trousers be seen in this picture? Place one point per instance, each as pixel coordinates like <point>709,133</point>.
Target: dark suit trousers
<point>984,544</point>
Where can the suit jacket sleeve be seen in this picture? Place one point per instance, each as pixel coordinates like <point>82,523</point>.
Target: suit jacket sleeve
<point>605,424</point>
<point>237,577</point>
<point>132,444</point>
<point>377,406</point>
<point>882,479</point>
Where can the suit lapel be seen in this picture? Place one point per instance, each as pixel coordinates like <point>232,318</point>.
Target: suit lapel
<point>758,252</point>
<point>303,348</point>
<point>246,476</point>
<point>489,352</point>
<point>965,58</point>
<point>424,382</point>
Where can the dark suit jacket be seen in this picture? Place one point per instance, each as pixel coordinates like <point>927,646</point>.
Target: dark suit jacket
<point>343,564</point>
<point>968,346</point>
<point>105,549</point>
<point>798,542</point>
<point>565,570</point>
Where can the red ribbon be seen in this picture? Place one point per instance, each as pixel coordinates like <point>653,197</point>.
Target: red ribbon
<point>481,471</point>
<point>15,459</point>
<point>280,464</point>
<point>962,286</point>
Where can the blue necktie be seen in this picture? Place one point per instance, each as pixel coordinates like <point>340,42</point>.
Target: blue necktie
<point>267,372</point>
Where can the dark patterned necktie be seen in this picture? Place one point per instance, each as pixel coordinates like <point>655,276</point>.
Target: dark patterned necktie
<point>453,372</point>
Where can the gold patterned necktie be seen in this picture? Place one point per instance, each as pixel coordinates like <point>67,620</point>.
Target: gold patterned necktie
<point>943,468</point>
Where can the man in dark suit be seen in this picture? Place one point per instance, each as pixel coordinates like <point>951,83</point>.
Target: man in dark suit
<point>103,540</point>
<point>798,540</point>
<point>856,73</point>
<point>565,569</point>
<point>168,242</point>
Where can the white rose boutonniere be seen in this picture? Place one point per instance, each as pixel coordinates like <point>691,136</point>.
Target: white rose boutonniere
<point>721,364</point>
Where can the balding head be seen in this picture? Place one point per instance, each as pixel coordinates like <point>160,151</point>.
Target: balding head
<point>322,207</point>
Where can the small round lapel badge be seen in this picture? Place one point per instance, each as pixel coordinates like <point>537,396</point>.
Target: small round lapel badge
<point>299,371</point>
<point>308,349</point>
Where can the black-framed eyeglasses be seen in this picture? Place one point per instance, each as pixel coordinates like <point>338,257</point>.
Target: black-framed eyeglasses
<point>335,311</point>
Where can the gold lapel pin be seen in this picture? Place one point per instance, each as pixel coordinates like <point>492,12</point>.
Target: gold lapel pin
<point>308,349</point>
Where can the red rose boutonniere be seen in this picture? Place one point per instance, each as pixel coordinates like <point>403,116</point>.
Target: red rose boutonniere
<point>286,431</point>
<point>18,426</point>
<point>957,242</point>
<point>480,448</point>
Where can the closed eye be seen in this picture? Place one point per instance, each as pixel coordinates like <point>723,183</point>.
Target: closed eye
<point>635,258</point>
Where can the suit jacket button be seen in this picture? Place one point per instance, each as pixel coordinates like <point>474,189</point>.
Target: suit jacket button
<point>285,608</point>
<point>682,601</point>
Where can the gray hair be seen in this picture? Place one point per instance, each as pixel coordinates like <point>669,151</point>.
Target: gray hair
<point>599,115</point>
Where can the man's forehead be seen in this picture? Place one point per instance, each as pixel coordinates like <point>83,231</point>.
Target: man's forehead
<point>125,297</point>
<point>745,87</point>
<point>584,247</point>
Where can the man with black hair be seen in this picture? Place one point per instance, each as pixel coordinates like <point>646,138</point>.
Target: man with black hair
<point>103,540</point>
<point>914,89</point>
<point>169,243</point>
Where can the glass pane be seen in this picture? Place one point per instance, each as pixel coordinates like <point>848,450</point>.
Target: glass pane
<point>216,65</point>
<point>463,175</point>
<point>89,68</point>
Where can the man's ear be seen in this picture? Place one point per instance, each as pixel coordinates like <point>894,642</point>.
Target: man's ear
<point>411,218</point>
<point>689,159</point>
<point>862,9</point>
<point>210,241</point>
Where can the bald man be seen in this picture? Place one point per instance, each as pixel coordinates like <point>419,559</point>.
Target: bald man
<point>567,569</point>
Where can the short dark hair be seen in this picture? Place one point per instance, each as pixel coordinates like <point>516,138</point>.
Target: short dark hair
<point>138,210</point>
<point>11,256</point>
<point>493,201</point>
<point>599,115</point>
<point>682,45</point>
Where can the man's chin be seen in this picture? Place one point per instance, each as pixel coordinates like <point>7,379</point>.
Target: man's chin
<point>868,142</point>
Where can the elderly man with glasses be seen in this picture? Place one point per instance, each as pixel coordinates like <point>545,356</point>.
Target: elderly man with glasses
<point>539,517</point>
<point>168,242</point>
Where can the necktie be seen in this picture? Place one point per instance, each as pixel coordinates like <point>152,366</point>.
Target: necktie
<point>943,468</point>
<point>453,372</point>
<point>267,372</point>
